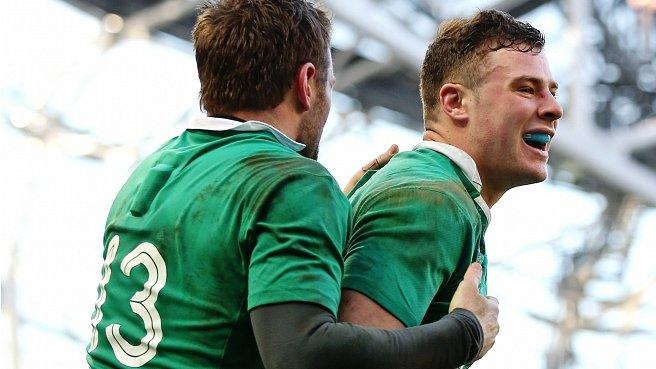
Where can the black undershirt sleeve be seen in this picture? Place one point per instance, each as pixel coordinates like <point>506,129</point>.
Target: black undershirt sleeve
<point>303,335</point>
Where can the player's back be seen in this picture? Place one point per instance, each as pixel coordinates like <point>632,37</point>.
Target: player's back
<point>177,249</point>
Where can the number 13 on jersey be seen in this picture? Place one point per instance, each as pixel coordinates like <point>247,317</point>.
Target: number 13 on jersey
<point>142,304</point>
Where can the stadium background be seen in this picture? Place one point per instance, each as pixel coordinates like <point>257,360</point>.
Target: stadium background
<point>87,87</point>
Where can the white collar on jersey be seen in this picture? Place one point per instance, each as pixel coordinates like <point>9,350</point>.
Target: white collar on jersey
<point>224,124</point>
<point>465,163</point>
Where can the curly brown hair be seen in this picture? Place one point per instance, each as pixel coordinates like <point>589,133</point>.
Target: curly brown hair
<point>247,51</point>
<point>459,49</point>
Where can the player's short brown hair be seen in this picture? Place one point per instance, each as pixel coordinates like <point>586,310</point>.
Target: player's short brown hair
<point>458,51</point>
<point>248,51</point>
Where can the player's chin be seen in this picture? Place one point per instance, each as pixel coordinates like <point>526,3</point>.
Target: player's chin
<point>535,174</point>
<point>527,174</point>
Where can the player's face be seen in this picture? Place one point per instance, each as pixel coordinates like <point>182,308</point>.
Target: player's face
<point>315,118</point>
<point>513,106</point>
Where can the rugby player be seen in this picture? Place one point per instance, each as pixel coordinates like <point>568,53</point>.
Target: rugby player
<point>489,113</point>
<point>224,247</point>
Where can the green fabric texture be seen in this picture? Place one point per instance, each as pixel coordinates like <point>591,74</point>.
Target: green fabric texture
<point>416,229</point>
<point>240,221</point>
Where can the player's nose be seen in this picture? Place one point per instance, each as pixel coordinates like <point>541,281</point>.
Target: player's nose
<point>550,109</point>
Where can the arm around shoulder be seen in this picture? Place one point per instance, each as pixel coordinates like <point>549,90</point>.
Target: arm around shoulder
<point>299,335</point>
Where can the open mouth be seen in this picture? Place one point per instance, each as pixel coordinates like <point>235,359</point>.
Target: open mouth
<point>539,141</point>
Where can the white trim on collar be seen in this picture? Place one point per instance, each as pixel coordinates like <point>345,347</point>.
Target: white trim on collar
<point>224,124</point>
<point>465,163</point>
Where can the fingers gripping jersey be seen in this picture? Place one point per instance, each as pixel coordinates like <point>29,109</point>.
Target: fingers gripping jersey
<point>211,225</point>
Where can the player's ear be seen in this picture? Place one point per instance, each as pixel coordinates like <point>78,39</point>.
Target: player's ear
<point>451,97</point>
<point>305,74</point>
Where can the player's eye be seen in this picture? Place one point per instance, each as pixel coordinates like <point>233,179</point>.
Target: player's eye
<point>526,90</point>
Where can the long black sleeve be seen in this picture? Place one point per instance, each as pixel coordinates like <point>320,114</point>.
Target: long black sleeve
<point>302,336</point>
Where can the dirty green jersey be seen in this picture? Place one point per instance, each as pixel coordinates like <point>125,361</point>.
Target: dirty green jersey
<point>212,225</point>
<point>416,230</point>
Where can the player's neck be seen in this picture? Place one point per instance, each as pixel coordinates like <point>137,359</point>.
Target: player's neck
<point>431,134</point>
<point>490,195</point>
<point>277,117</point>
<point>494,186</point>
<point>489,191</point>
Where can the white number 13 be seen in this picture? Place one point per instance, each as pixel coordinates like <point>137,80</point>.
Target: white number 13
<point>142,303</point>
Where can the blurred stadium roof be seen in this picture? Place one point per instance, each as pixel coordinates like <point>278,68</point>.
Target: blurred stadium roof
<point>608,136</point>
<point>601,52</point>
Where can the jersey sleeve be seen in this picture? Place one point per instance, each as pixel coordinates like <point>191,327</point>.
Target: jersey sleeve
<point>406,243</point>
<point>300,234</point>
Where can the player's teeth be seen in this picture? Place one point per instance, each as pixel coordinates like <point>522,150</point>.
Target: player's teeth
<point>541,138</point>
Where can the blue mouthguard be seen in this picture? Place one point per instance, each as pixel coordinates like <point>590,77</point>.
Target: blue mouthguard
<point>541,138</point>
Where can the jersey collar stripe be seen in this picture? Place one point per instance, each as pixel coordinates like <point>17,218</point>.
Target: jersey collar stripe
<point>486,209</point>
<point>224,124</point>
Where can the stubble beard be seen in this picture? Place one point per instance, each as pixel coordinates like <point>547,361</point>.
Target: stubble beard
<point>311,128</point>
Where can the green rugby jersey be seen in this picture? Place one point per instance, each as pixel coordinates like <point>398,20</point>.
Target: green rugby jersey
<point>222,219</point>
<point>417,225</point>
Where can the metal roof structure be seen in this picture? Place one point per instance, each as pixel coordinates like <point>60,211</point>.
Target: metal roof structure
<point>608,135</point>
<point>606,141</point>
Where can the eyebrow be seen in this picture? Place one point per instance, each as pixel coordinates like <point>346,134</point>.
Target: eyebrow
<point>536,81</point>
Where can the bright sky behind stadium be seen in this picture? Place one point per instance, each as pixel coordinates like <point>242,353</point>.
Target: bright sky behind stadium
<point>137,94</point>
